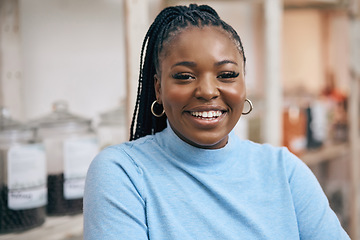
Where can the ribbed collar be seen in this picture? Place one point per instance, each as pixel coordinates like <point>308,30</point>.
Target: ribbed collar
<point>206,159</point>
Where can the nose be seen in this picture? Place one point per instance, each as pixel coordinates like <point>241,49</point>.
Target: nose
<point>207,89</point>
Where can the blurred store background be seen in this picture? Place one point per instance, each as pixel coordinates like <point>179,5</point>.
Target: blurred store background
<point>68,80</point>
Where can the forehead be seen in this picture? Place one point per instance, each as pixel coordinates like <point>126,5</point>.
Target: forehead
<point>201,42</point>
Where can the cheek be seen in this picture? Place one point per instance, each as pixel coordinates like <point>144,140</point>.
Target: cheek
<point>175,96</point>
<point>235,96</point>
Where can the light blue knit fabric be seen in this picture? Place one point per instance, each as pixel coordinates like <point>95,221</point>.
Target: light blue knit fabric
<point>161,188</point>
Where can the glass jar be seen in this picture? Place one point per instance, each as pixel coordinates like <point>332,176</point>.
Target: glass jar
<point>70,145</point>
<point>112,128</point>
<point>23,192</point>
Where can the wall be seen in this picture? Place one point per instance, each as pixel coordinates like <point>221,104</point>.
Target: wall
<point>303,64</point>
<point>72,50</point>
<point>10,58</point>
<point>339,49</point>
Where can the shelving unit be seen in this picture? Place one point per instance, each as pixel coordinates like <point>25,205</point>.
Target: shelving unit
<point>326,153</point>
<point>54,228</point>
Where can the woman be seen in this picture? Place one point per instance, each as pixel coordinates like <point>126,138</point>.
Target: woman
<point>185,174</point>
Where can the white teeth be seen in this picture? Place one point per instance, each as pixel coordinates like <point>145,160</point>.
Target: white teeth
<point>207,114</point>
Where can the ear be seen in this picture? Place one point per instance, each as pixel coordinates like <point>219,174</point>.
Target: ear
<point>157,86</point>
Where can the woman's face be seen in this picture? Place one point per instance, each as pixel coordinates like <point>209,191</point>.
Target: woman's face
<point>201,86</point>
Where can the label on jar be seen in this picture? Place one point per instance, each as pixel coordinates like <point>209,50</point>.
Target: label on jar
<point>26,168</point>
<point>74,188</point>
<point>78,154</point>
<point>27,198</point>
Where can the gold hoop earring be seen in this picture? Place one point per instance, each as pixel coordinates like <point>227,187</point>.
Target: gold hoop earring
<point>152,110</point>
<point>250,105</point>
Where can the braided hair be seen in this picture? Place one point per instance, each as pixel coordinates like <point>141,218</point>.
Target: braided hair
<point>167,25</point>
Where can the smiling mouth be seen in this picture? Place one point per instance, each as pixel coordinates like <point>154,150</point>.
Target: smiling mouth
<point>207,115</point>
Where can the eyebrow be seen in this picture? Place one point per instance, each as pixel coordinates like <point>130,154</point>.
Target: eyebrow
<point>225,62</point>
<point>184,63</point>
<point>193,64</point>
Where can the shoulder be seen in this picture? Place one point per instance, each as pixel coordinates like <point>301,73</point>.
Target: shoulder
<point>122,157</point>
<point>269,157</point>
<point>266,151</point>
<point>126,149</point>
<point>280,162</point>
<point>114,166</point>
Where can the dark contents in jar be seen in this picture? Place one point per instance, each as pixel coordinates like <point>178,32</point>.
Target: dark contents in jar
<point>57,204</point>
<point>18,220</point>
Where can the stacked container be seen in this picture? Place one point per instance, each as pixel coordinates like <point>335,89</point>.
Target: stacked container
<point>23,192</point>
<point>112,128</point>
<point>70,146</point>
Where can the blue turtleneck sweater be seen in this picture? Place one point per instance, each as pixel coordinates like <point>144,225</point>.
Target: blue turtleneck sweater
<point>161,188</point>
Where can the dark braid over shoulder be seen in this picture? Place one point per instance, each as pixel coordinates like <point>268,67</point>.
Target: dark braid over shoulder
<point>167,25</point>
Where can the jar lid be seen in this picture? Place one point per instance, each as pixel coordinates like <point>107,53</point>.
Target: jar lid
<point>60,117</point>
<point>116,116</point>
<point>7,123</point>
<point>11,130</point>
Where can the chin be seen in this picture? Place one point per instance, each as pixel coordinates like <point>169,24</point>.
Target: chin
<point>208,143</point>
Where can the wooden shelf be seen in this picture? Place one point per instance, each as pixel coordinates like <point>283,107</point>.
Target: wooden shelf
<point>325,153</point>
<point>54,228</point>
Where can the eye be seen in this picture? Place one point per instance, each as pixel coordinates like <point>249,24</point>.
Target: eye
<point>183,76</point>
<point>228,75</point>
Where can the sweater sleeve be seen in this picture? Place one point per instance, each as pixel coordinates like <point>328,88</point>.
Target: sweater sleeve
<point>113,205</point>
<point>316,220</point>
